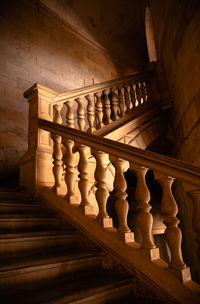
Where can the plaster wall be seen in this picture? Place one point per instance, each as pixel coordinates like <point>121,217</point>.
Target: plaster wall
<point>37,46</point>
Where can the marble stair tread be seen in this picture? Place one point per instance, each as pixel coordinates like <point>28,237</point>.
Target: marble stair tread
<point>32,273</point>
<point>102,287</point>
<point>11,195</point>
<point>30,222</point>
<point>36,234</point>
<point>11,216</point>
<point>14,207</point>
<point>45,258</point>
<point>25,244</point>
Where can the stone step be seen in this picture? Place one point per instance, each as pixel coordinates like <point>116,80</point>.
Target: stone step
<point>14,195</point>
<point>27,222</point>
<point>30,273</point>
<point>102,288</point>
<point>18,207</point>
<point>26,243</point>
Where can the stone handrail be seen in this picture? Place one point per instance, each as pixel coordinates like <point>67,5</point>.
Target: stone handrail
<point>100,86</point>
<point>100,104</point>
<point>165,170</point>
<point>160,163</point>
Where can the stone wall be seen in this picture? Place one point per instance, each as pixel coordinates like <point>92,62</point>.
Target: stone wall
<point>177,32</point>
<point>37,46</point>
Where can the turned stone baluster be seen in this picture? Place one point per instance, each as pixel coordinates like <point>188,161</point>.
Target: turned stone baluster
<point>57,117</point>
<point>115,105</point>
<point>57,163</point>
<point>142,197</point>
<point>132,93</point>
<point>90,113</point>
<point>121,204</point>
<point>107,109</point>
<point>70,171</point>
<point>169,210</point>
<point>143,92</point>
<point>69,114</point>
<point>84,183</point>
<point>127,99</point>
<point>195,196</point>
<point>102,192</point>
<point>57,152</point>
<point>121,101</point>
<point>148,91</point>
<point>138,92</point>
<point>81,113</point>
<point>99,107</point>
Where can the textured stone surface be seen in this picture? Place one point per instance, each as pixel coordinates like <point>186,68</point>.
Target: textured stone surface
<point>177,30</point>
<point>36,46</point>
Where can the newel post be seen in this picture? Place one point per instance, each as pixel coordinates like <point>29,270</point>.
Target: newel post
<point>36,164</point>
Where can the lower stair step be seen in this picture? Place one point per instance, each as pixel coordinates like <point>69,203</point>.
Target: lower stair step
<point>30,273</point>
<point>21,207</point>
<point>99,288</point>
<point>26,243</point>
<point>23,222</point>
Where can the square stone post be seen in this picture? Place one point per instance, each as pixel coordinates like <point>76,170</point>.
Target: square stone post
<point>36,164</point>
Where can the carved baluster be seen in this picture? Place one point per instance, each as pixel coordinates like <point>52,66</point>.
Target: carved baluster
<point>57,152</point>
<point>70,171</point>
<point>102,192</point>
<point>90,113</point>
<point>148,91</point>
<point>57,163</point>
<point>57,117</point>
<point>169,210</point>
<point>84,183</point>
<point>132,93</point>
<point>127,99</point>
<point>107,109</point>
<point>81,113</point>
<point>142,197</point>
<point>121,204</point>
<point>69,114</point>
<point>138,93</point>
<point>99,107</point>
<point>115,104</point>
<point>143,93</point>
<point>195,196</point>
<point>121,101</point>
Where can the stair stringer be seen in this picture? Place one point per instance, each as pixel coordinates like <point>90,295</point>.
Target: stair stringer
<point>139,128</point>
<point>154,272</point>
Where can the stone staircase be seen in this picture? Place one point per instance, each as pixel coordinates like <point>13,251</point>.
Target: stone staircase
<point>43,262</point>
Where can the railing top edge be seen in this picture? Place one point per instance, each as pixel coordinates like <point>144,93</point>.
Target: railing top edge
<point>39,87</point>
<point>96,87</point>
<point>157,162</point>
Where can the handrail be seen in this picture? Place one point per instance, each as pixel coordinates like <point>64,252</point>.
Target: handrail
<point>99,86</point>
<point>160,163</point>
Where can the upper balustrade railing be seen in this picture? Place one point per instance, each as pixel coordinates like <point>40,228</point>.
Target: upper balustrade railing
<point>92,107</point>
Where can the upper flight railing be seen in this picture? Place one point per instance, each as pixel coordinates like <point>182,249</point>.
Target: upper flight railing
<point>92,107</point>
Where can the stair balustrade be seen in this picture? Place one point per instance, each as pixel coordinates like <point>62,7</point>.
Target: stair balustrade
<point>165,170</point>
<point>59,155</point>
<point>100,104</point>
<point>88,109</point>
